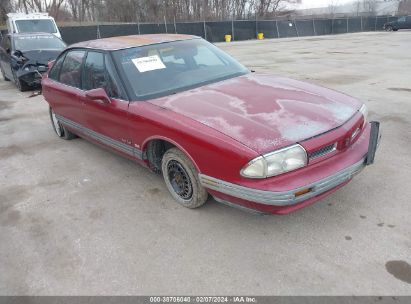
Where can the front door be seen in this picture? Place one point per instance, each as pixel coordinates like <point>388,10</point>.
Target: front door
<point>105,122</point>
<point>64,84</point>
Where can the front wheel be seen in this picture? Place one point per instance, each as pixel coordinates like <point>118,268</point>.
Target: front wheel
<point>60,130</point>
<point>388,28</point>
<point>181,178</point>
<point>21,85</point>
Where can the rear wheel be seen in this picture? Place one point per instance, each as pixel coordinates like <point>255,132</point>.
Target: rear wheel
<point>181,178</point>
<point>60,130</point>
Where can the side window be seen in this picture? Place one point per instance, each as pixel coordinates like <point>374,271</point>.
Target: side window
<point>114,89</point>
<point>402,19</point>
<point>55,69</point>
<point>94,72</point>
<point>71,70</point>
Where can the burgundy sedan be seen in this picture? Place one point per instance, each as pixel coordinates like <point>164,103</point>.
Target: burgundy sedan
<point>182,107</point>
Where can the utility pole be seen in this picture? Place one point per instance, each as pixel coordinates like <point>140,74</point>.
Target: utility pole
<point>232,26</point>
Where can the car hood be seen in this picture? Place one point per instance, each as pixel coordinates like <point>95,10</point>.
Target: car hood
<point>264,112</point>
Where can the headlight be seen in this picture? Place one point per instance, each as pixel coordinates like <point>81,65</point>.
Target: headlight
<point>275,163</point>
<point>364,111</point>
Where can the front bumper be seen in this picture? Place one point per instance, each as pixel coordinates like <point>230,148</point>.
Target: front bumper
<point>286,198</point>
<point>286,201</point>
<point>31,74</point>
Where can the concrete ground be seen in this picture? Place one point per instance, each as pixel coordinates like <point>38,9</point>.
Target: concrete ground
<point>76,219</point>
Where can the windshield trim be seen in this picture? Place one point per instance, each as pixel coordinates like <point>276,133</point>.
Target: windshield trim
<point>135,97</point>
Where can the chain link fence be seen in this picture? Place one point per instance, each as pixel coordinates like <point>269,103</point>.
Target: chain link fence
<point>215,31</point>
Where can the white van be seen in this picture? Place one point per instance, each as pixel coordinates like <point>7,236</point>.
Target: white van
<point>32,23</point>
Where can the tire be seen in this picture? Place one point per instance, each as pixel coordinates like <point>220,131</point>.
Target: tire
<point>60,130</point>
<point>181,178</point>
<point>395,30</point>
<point>389,28</point>
<point>3,74</point>
<point>21,85</point>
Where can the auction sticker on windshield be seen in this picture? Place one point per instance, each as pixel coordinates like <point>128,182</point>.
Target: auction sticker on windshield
<point>151,63</point>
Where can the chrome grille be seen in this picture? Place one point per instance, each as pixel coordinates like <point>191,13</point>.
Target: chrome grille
<point>323,151</point>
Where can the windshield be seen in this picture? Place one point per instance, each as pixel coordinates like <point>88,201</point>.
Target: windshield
<point>35,26</point>
<point>38,42</point>
<point>166,68</point>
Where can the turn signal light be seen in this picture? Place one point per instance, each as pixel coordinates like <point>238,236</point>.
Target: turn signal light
<point>302,192</point>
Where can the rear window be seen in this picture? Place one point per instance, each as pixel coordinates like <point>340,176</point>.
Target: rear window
<point>35,26</point>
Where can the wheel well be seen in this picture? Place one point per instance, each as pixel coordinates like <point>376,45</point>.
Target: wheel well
<point>155,151</point>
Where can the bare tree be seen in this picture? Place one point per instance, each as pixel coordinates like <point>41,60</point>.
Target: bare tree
<point>152,10</point>
<point>370,6</point>
<point>357,7</point>
<point>332,7</point>
<point>5,8</point>
<point>267,7</point>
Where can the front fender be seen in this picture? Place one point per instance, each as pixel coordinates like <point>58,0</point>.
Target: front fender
<point>171,141</point>
<point>212,152</point>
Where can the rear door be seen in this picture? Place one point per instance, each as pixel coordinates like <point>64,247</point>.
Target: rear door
<point>408,21</point>
<point>106,123</point>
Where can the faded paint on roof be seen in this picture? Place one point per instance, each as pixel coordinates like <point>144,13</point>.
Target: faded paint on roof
<point>121,42</point>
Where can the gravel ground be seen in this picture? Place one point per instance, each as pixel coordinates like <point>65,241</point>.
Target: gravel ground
<point>76,219</point>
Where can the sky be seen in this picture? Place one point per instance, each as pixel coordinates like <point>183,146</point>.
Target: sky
<point>322,3</point>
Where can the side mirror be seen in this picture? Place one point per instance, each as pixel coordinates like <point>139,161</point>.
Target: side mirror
<point>18,56</point>
<point>98,95</point>
<point>18,53</point>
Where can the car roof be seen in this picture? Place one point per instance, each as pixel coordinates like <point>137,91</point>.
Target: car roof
<point>123,42</point>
